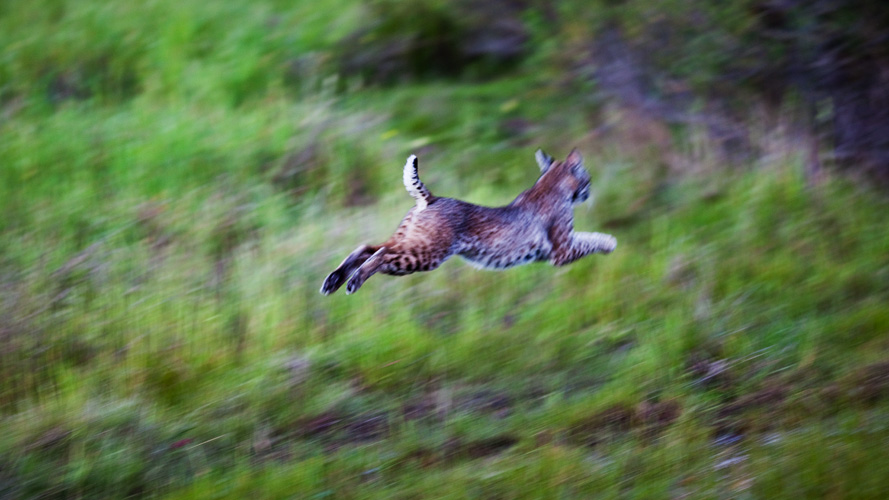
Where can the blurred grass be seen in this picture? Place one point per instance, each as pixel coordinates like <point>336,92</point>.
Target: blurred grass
<point>177,179</point>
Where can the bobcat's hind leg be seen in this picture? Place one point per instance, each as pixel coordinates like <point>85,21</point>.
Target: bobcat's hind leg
<point>339,276</point>
<point>366,270</point>
<point>583,244</point>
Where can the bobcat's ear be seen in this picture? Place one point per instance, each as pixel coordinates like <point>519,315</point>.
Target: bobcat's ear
<point>543,160</point>
<point>574,159</point>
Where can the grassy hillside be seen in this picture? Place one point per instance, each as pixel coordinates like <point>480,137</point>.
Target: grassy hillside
<point>176,180</point>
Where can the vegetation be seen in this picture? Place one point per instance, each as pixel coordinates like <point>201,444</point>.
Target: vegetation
<point>178,177</point>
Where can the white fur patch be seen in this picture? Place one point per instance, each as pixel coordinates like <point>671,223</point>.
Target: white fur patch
<point>412,182</point>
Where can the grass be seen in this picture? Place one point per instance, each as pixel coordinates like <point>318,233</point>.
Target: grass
<point>174,192</point>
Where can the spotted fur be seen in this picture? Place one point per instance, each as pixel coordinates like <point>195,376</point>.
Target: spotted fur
<point>537,226</point>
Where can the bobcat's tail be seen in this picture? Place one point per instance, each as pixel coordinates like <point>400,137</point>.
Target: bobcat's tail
<point>414,185</point>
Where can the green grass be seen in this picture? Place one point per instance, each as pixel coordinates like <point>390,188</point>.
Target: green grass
<point>173,193</point>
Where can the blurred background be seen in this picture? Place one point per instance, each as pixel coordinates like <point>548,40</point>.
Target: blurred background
<point>177,177</point>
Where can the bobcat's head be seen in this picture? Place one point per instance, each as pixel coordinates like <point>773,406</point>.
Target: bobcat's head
<point>568,177</point>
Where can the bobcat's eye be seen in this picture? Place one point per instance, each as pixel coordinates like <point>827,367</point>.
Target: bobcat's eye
<point>582,194</point>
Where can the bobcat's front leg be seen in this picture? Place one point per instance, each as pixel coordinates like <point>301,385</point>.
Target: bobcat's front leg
<point>365,271</point>
<point>580,245</point>
<point>339,276</point>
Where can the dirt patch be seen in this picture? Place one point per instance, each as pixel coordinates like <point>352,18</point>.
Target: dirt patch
<point>487,447</point>
<point>868,384</point>
<point>335,429</point>
<point>768,397</point>
<point>339,428</point>
<point>655,417</point>
<point>649,419</point>
<point>602,426</point>
<point>496,403</point>
<point>435,405</point>
<point>456,449</point>
<point>422,408</point>
<point>710,373</point>
<point>319,425</point>
<point>793,398</point>
<point>367,427</point>
<point>757,411</point>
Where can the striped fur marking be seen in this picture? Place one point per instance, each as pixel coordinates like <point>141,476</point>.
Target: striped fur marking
<point>414,185</point>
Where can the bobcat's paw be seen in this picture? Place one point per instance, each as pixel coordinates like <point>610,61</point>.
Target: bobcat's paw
<point>608,244</point>
<point>333,282</point>
<point>354,284</point>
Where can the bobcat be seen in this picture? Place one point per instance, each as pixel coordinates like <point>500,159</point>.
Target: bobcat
<point>537,226</point>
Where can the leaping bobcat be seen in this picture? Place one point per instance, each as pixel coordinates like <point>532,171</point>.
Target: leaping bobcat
<point>537,226</point>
